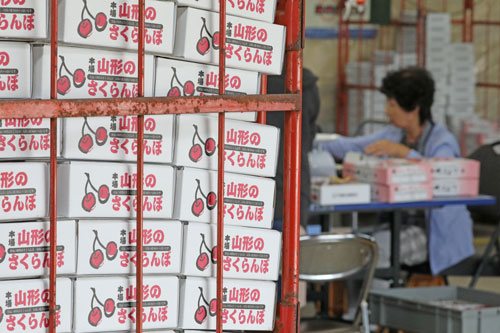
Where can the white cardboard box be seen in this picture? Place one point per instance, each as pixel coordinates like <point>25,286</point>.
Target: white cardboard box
<point>251,45</point>
<point>182,78</point>
<point>249,253</point>
<point>249,148</point>
<point>90,73</point>
<point>108,190</point>
<point>248,305</point>
<point>115,138</point>
<point>23,191</point>
<point>249,201</point>
<point>114,24</point>
<point>341,194</point>
<point>15,69</point>
<point>24,306</point>
<point>104,304</point>
<point>260,10</point>
<point>25,246</point>
<point>26,19</point>
<point>109,247</point>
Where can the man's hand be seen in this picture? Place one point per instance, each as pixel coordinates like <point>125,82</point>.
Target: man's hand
<point>389,148</point>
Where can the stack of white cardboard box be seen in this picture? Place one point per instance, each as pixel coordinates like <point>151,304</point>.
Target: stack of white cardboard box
<point>97,176</point>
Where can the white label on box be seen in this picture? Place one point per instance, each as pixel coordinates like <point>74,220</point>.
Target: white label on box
<point>25,19</point>
<point>24,306</point>
<point>24,248</point>
<point>15,69</point>
<point>248,201</point>
<point>23,191</point>
<point>340,194</point>
<point>108,190</point>
<point>249,148</point>
<point>89,73</point>
<point>104,304</point>
<point>115,138</point>
<point>114,24</point>
<point>260,10</point>
<point>249,253</point>
<point>181,78</point>
<point>251,45</point>
<point>109,247</point>
<point>248,305</point>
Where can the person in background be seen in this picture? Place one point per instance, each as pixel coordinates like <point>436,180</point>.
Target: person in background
<point>413,134</point>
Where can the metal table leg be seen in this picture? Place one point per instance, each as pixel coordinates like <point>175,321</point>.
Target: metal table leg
<point>484,259</point>
<point>395,246</point>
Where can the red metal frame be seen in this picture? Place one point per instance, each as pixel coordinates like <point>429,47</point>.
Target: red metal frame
<point>289,13</point>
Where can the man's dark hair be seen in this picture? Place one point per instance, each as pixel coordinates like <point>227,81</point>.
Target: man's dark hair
<point>411,87</point>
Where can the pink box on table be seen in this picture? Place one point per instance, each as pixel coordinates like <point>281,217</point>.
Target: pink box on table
<point>400,171</point>
<point>446,168</point>
<point>402,192</point>
<point>455,187</point>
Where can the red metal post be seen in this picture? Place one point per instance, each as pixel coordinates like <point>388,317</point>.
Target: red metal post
<point>261,116</point>
<point>220,175</point>
<point>468,22</point>
<point>289,304</point>
<point>53,170</point>
<point>420,34</point>
<point>140,169</point>
<point>340,71</point>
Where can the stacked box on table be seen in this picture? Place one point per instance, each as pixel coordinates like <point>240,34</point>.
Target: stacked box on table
<point>455,176</point>
<point>15,69</point>
<point>24,20</point>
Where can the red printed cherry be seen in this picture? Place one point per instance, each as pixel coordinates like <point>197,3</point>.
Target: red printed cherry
<point>213,307</point>
<point>197,208</point>
<point>211,200</point>
<point>101,136</point>
<point>174,92</point>
<point>79,78</point>
<point>96,259</point>
<point>202,261</point>
<point>201,315</point>
<point>195,153</point>
<point>210,146</point>
<point>85,28</point>
<point>203,46</point>
<point>216,41</point>
<point>88,202</point>
<point>101,21</point>
<point>63,85</point>
<point>214,254</point>
<point>189,88</point>
<point>3,253</point>
<point>1,314</point>
<point>111,250</point>
<point>86,143</point>
<point>95,316</point>
<point>109,307</point>
<point>103,194</point>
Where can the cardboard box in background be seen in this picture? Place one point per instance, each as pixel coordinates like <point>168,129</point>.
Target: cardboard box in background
<point>114,24</point>
<point>249,148</point>
<point>26,19</point>
<point>261,10</point>
<point>104,304</point>
<point>115,138</point>
<point>23,191</point>
<point>248,305</point>
<point>24,305</point>
<point>251,45</point>
<point>182,78</point>
<point>249,253</point>
<point>108,190</point>
<point>445,168</point>
<point>109,247</point>
<point>454,187</point>
<point>24,248</point>
<point>90,73</point>
<point>402,192</point>
<point>249,201</point>
<point>15,69</point>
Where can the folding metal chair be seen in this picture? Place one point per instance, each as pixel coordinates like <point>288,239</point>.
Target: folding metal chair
<point>329,257</point>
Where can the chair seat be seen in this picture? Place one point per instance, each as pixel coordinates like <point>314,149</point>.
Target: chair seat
<point>327,326</point>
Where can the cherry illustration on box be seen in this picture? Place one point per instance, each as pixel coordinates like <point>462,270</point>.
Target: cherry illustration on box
<point>3,253</point>
<point>196,153</point>
<point>97,257</point>
<point>198,206</point>
<point>86,143</point>
<point>188,88</point>
<point>89,200</point>
<point>95,314</point>
<point>85,28</point>
<point>64,83</point>
<point>204,44</point>
<point>201,313</point>
<point>202,260</point>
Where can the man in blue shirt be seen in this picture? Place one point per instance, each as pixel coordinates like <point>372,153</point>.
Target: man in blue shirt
<point>413,134</point>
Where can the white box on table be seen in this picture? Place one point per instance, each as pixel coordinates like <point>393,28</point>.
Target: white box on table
<point>90,73</point>
<point>249,253</point>
<point>109,247</point>
<point>104,304</point>
<point>114,24</point>
<point>115,138</point>
<point>26,19</point>
<point>15,69</point>
<point>108,190</point>
<point>341,194</point>
<point>251,45</point>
